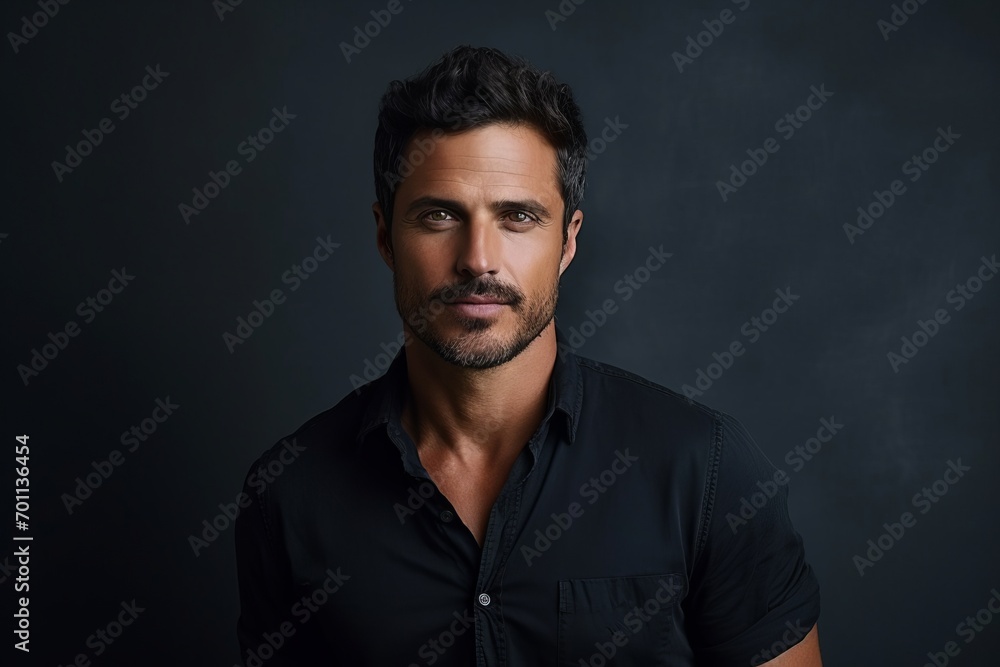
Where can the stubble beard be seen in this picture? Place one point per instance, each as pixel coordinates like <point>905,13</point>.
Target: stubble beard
<point>481,345</point>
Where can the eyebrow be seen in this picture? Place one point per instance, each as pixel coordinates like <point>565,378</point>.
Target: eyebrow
<point>532,206</point>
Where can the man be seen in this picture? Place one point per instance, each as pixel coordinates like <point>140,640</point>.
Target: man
<point>494,498</point>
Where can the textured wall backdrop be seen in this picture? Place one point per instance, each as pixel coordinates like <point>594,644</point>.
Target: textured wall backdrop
<point>824,176</point>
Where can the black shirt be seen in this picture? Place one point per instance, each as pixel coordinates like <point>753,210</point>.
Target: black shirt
<point>617,539</point>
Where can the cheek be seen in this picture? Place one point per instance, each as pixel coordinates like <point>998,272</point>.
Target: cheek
<point>540,278</point>
<point>420,271</point>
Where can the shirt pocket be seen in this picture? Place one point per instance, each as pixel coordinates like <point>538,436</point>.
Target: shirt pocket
<point>622,621</point>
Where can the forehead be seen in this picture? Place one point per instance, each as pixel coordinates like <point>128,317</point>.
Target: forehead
<point>515,160</point>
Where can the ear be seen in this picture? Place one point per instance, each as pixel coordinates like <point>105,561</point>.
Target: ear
<point>383,237</point>
<point>569,248</point>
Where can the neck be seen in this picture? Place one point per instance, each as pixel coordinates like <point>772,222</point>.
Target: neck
<point>475,415</point>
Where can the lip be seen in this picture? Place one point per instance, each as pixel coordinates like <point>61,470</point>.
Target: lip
<point>480,300</point>
<point>486,308</point>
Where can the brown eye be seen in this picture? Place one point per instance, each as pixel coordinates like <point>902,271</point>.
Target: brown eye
<point>436,216</point>
<point>520,217</point>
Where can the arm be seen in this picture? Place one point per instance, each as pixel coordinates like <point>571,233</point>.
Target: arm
<point>754,596</point>
<point>266,588</point>
<point>803,654</point>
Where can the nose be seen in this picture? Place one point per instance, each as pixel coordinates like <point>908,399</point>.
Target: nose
<point>479,248</point>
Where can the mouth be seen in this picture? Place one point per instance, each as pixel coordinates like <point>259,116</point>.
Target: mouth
<point>480,300</point>
<point>478,306</point>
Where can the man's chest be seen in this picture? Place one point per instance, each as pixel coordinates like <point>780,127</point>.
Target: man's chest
<point>564,558</point>
<point>471,491</point>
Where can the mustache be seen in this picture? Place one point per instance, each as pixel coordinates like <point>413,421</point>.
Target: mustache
<point>488,288</point>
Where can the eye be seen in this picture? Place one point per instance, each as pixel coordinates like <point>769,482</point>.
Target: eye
<point>521,218</point>
<point>436,216</point>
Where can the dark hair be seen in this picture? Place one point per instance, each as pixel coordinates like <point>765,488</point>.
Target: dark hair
<point>472,87</point>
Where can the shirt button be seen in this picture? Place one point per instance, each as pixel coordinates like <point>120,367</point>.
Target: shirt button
<point>484,599</point>
<point>447,516</point>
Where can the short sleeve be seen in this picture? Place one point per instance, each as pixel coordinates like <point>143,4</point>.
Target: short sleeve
<point>753,594</point>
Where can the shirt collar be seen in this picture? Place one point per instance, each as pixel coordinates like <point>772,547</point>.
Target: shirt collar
<point>385,393</point>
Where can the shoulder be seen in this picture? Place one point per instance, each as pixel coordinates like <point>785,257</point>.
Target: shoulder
<point>625,395</point>
<point>318,443</point>
<point>675,425</point>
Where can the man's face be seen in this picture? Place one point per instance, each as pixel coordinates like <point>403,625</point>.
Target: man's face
<point>479,220</point>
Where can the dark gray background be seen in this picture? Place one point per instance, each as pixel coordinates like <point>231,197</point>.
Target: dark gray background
<point>656,184</point>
